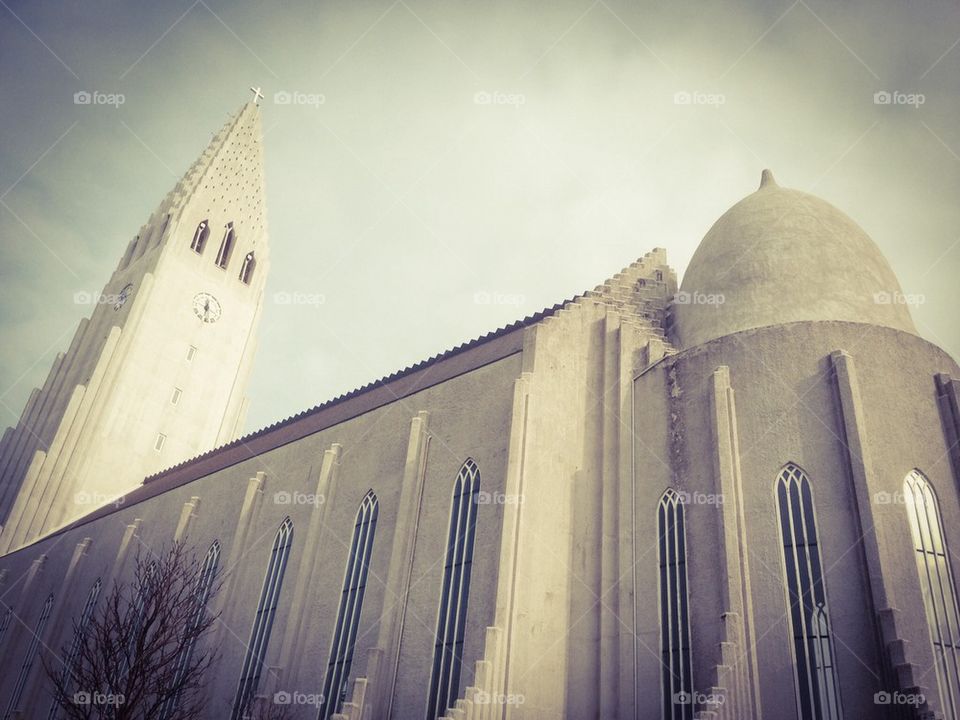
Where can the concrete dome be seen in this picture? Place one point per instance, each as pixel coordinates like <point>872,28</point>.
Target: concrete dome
<point>781,256</point>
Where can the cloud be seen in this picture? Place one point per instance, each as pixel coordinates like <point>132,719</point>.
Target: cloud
<point>400,196</point>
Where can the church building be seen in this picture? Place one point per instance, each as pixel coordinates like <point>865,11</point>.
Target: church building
<point>733,499</point>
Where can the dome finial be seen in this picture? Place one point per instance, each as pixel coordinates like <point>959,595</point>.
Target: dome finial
<point>767,180</point>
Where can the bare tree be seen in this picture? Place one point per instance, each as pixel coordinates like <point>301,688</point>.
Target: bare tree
<point>142,655</point>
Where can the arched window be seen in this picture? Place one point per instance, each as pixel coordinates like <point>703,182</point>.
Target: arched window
<point>226,247</point>
<point>79,631</point>
<point>263,621</point>
<point>5,623</point>
<point>939,592</point>
<point>351,601</point>
<point>200,236</point>
<point>29,658</point>
<point>817,685</point>
<point>246,270</point>
<point>208,573</point>
<point>448,650</point>
<point>676,661</point>
<point>146,583</point>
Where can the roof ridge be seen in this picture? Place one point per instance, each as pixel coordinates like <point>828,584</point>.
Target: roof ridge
<point>596,294</point>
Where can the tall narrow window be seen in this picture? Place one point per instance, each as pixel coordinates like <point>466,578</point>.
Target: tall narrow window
<point>208,573</point>
<point>200,236</point>
<point>263,620</point>
<point>939,592</point>
<point>817,685</point>
<point>246,270</point>
<point>448,650</point>
<point>5,623</point>
<point>226,247</point>
<point>677,667</point>
<point>79,633</point>
<point>29,658</point>
<point>351,601</point>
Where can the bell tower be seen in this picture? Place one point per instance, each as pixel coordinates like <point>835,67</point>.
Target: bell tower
<point>158,372</point>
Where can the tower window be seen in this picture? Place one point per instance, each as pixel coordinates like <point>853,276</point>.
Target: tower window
<point>161,439</point>
<point>29,658</point>
<point>815,674</point>
<point>676,662</point>
<point>79,633</point>
<point>226,247</point>
<point>191,353</point>
<point>939,592</point>
<point>351,602</point>
<point>200,236</point>
<point>448,651</point>
<point>175,398</point>
<point>246,270</point>
<point>263,620</point>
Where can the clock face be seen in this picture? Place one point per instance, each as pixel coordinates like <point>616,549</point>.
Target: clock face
<point>206,307</point>
<point>122,297</point>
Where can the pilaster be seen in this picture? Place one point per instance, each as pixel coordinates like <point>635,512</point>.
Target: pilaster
<point>878,545</point>
<point>293,639</point>
<point>401,566</point>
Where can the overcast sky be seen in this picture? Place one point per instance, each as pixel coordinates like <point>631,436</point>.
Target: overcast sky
<point>398,193</point>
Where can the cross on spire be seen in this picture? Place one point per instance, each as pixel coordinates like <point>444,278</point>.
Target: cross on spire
<point>257,95</point>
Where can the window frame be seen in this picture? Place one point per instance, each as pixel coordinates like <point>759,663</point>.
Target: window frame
<point>340,658</point>
<point>204,586</point>
<point>447,663</point>
<point>29,657</point>
<point>227,244</point>
<point>247,268</point>
<point>262,627</point>
<point>937,600</point>
<point>676,647</point>
<point>817,691</point>
<point>79,631</point>
<point>199,242</point>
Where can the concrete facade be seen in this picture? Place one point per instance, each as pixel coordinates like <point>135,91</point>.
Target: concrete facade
<point>579,419</point>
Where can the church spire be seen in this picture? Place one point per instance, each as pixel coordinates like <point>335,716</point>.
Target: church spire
<point>158,372</point>
<point>229,172</point>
